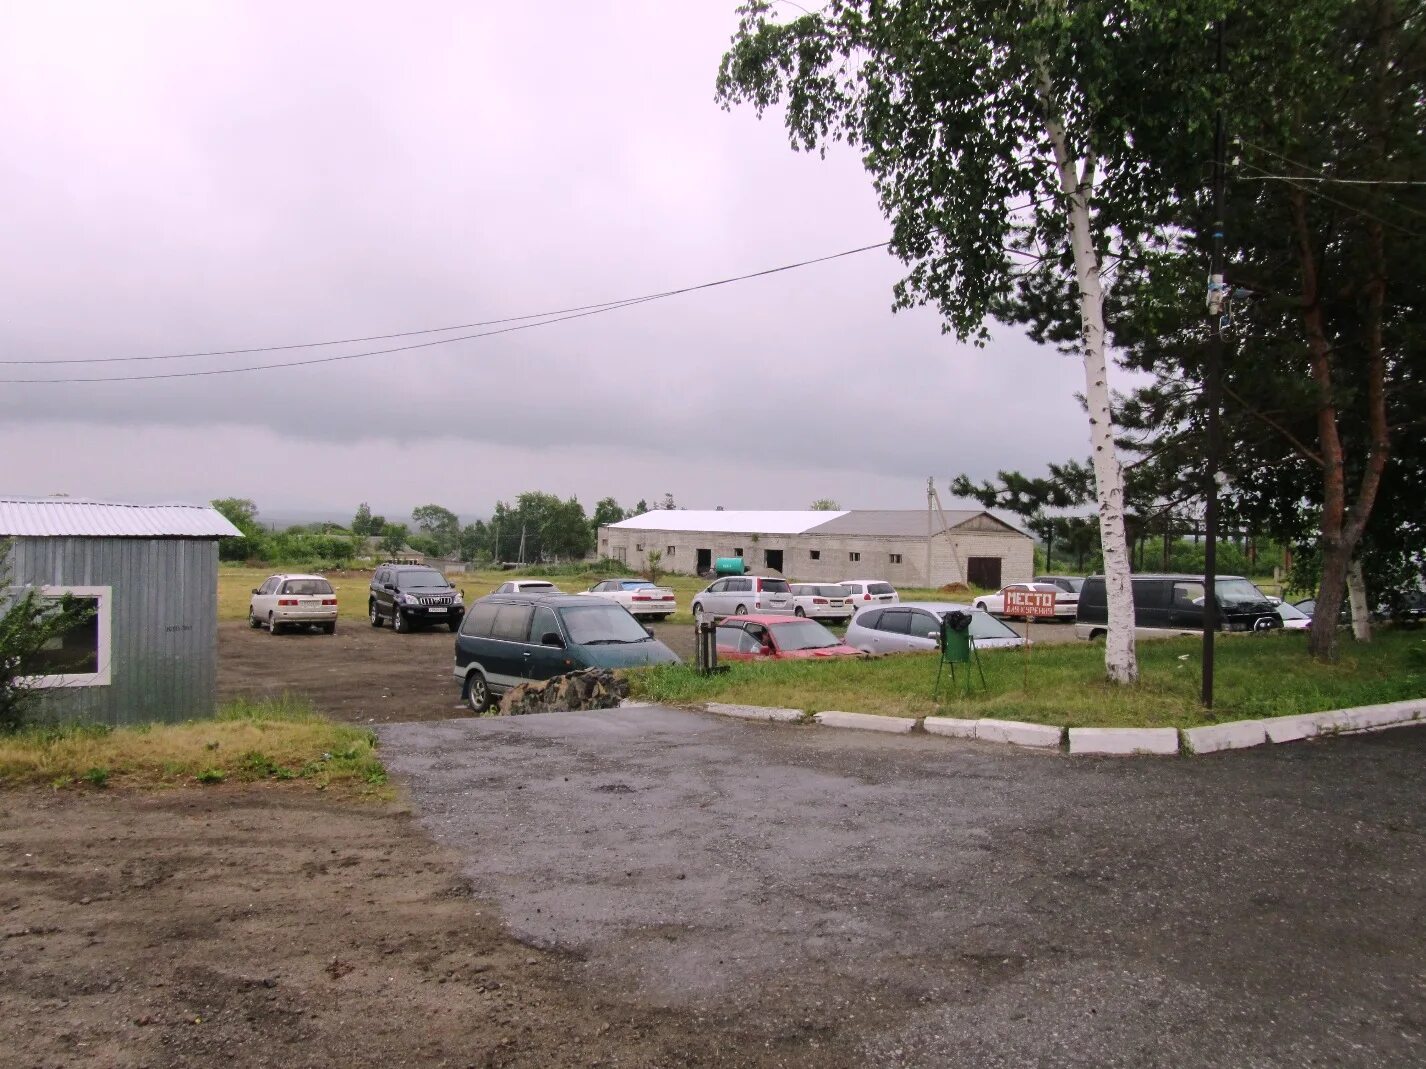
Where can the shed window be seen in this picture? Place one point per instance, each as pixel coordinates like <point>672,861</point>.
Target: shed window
<point>80,656</point>
<point>896,558</point>
<point>854,556</point>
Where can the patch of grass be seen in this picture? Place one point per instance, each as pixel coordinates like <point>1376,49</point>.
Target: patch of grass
<point>248,741</point>
<point>1256,676</point>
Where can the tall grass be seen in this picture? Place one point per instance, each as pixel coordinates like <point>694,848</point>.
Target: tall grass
<point>1257,675</point>
<point>247,741</point>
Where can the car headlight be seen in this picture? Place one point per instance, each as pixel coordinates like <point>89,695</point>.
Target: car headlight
<point>407,599</point>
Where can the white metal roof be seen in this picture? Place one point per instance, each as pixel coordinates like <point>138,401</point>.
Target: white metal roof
<point>729,522</point>
<point>69,517</point>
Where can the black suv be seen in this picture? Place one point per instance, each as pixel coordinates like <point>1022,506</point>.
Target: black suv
<point>411,595</point>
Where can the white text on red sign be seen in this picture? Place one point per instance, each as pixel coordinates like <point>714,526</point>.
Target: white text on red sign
<point>1029,603</point>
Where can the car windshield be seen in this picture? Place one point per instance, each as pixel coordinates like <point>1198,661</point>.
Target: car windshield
<point>597,625</point>
<point>423,577</point>
<point>636,584</point>
<point>306,586</point>
<point>1291,612</point>
<point>1238,593</point>
<point>880,588</point>
<point>803,635</point>
<point>985,626</point>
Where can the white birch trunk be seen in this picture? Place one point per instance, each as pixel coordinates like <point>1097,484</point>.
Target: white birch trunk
<point>1357,598</point>
<point>1120,660</point>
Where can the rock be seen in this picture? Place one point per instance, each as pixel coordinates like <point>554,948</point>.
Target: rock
<point>593,688</point>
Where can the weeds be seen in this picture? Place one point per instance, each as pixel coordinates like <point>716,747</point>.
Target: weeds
<point>246,742</point>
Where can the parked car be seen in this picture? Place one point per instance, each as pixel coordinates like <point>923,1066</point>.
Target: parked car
<point>284,601</point>
<point>779,638</point>
<point>915,626</point>
<point>509,639</point>
<point>1293,618</point>
<point>1068,596</point>
<point>1168,605</point>
<point>527,586</point>
<point>865,592</point>
<point>995,603</point>
<point>639,596</point>
<point>738,595</point>
<point>822,601</point>
<point>412,595</point>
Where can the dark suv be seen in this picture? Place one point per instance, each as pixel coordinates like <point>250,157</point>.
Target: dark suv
<point>411,595</point>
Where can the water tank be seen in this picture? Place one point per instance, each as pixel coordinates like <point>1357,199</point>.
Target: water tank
<point>730,566</point>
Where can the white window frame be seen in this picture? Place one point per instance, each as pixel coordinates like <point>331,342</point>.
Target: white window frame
<point>104,595</point>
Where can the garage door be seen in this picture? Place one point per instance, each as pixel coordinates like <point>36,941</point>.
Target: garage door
<point>983,572</point>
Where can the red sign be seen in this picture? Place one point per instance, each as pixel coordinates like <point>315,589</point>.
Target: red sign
<point>1029,603</point>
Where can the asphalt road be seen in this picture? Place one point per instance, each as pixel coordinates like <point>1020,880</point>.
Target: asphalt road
<point>915,901</point>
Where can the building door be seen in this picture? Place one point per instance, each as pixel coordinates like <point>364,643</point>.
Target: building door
<point>705,561</point>
<point>773,559</point>
<point>983,572</point>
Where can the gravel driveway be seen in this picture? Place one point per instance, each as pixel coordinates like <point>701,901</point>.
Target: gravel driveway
<point>909,901</point>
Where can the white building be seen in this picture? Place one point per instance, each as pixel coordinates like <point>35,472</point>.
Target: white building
<point>906,547</point>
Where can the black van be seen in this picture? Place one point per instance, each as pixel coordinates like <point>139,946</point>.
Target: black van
<point>1173,605</point>
<point>509,639</point>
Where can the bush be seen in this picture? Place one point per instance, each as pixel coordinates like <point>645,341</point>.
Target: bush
<point>606,566</point>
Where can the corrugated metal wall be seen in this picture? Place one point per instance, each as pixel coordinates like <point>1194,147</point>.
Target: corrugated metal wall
<point>164,620</point>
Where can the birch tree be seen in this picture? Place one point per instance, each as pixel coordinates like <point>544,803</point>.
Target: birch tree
<point>1006,183</point>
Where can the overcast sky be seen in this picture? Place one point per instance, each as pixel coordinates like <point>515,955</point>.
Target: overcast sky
<point>194,176</point>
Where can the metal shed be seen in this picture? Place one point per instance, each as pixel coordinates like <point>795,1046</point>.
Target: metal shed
<point>151,571</point>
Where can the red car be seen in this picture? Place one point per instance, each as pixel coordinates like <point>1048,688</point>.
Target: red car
<point>779,638</point>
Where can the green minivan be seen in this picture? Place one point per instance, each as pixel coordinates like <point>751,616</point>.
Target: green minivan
<point>509,639</point>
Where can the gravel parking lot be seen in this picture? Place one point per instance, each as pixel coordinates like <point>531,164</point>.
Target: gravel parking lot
<point>905,901</point>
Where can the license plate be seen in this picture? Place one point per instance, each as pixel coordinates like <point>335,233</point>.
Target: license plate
<point>435,608</point>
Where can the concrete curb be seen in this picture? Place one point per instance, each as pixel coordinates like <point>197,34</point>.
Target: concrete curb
<point>1017,733</point>
<point>1126,741</point>
<point>755,712</point>
<point>835,718</point>
<point>950,727</point>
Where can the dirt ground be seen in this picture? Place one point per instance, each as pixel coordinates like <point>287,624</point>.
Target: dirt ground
<point>271,927</point>
<point>373,675</point>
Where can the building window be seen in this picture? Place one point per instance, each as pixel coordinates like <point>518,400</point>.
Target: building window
<point>80,656</point>
<point>670,551</point>
<point>896,558</point>
<point>814,554</point>
<point>604,543</point>
<point>854,556</point>
<point>638,547</point>
<point>621,553</point>
<point>738,552</point>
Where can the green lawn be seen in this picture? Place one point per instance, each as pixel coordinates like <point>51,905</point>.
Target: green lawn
<point>1257,676</point>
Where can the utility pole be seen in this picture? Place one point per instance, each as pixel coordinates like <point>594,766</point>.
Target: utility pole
<point>1212,389</point>
<point>930,523</point>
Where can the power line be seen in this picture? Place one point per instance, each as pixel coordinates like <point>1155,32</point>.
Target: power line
<point>547,320</point>
<point>1354,209</point>
<point>601,306</point>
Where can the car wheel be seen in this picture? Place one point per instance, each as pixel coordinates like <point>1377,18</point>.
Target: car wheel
<point>371,612</point>
<point>798,611</point>
<point>400,622</point>
<point>1096,635</point>
<point>741,610</point>
<point>253,621</point>
<point>477,693</point>
<point>330,629</point>
<point>979,605</point>
<point>272,625</point>
<point>697,609</point>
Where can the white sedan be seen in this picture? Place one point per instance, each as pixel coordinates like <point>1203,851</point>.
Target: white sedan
<point>639,596</point>
<point>995,603</point>
<point>822,601</point>
<point>284,601</point>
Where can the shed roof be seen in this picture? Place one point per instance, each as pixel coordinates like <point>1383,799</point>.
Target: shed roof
<point>893,522</point>
<point>69,517</point>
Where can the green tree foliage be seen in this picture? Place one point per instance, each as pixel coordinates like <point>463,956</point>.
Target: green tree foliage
<point>241,512</point>
<point>607,511</point>
<point>825,504</point>
<point>393,539</point>
<point>639,509</point>
<point>362,521</point>
<point>29,622</point>
<point>441,527</point>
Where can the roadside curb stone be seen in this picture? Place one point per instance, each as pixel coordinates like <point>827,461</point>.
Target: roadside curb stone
<point>1123,741</point>
<point>755,712</point>
<point>1236,735</point>
<point>1043,736</point>
<point>835,718</point>
<point>950,727</point>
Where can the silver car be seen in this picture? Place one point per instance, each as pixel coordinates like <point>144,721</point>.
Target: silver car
<point>822,601</point>
<point>738,595</point>
<point>915,626</point>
